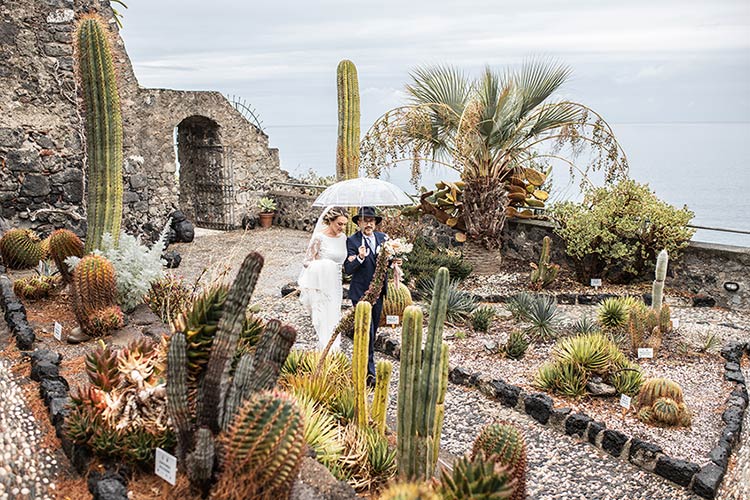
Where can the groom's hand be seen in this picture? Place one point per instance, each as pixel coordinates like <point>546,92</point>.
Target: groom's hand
<point>362,252</point>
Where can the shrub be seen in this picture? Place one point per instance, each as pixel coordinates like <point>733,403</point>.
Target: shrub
<point>426,258</point>
<point>617,231</point>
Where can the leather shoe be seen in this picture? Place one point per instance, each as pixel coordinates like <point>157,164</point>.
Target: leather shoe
<point>76,336</point>
<point>370,381</point>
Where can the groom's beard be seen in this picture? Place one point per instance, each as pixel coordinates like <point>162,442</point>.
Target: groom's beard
<point>369,231</point>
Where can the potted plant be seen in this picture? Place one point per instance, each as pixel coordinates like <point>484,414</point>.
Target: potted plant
<point>267,210</point>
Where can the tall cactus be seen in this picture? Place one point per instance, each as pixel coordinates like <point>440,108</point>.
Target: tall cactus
<point>362,319</point>
<point>200,416</point>
<point>657,290</point>
<point>347,148</point>
<point>440,410</point>
<point>420,385</point>
<point>544,273</point>
<point>103,131</point>
<point>383,372</point>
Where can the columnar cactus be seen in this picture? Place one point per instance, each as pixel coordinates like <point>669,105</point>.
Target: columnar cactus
<point>103,131</point>
<point>544,273</point>
<point>657,290</point>
<point>64,244</point>
<point>94,296</point>
<point>419,385</point>
<point>200,413</point>
<point>383,372</point>
<point>362,319</point>
<point>440,410</point>
<point>347,148</point>
<point>21,249</point>
<point>505,444</point>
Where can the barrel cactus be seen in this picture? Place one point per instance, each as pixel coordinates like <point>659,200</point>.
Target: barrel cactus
<point>64,244</point>
<point>93,294</point>
<point>398,298</point>
<point>478,478</point>
<point>505,444</point>
<point>21,249</point>
<point>660,402</point>
<point>35,287</point>
<point>409,491</point>
<point>103,131</point>
<point>655,388</point>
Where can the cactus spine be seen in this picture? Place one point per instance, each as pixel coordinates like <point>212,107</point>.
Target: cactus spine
<point>657,290</point>
<point>64,244</point>
<point>395,301</point>
<point>362,318</point>
<point>383,372</point>
<point>419,385</point>
<point>347,148</point>
<point>199,415</point>
<point>505,444</point>
<point>544,273</point>
<point>21,249</point>
<point>103,132</point>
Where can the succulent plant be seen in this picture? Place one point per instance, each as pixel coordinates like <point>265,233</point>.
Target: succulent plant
<point>481,318</point>
<point>347,147</point>
<point>626,377</point>
<point>362,318</point>
<point>420,385</point>
<point>666,412</point>
<point>655,388</point>
<point>35,287</point>
<point>263,446</point>
<point>382,459</point>
<point>383,371</point>
<point>543,317</point>
<point>505,444</point>
<point>478,479</point>
<point>321,430</point>
<point>592,352</point>
<point>515,347</point>
<point>613,313</point>
<point>544,274</point>
<point>94,296</point>
<point>103,131</point>
<point>460,303</point>
<point>520,305</point>
<point>168,297</point>
<point>397,298</point>
<point>101,367</point>
<point>267,205</point>
<point>63,244</point>
<point>21,249</point>
<point>657,290</point>
<point>409,491</point>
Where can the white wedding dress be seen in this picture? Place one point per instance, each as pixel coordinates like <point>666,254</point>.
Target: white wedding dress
<point>320,284</point>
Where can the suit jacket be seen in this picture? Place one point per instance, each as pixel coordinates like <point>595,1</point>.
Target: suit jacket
<point>362,273</point>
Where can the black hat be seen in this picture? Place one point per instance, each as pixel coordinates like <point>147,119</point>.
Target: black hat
<point>367,212</point>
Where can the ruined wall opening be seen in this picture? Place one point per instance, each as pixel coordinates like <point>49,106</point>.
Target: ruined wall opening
<point>205,174</point>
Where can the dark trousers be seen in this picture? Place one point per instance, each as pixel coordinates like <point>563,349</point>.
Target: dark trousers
<point>377,309</point>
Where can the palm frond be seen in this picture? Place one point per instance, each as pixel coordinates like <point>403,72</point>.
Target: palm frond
<point>539,79</point>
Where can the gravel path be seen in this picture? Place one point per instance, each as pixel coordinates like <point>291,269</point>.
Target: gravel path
<point>27,470</point>
<point>736,485</point>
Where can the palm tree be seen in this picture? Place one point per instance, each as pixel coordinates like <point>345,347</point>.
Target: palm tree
<point>489,129</point>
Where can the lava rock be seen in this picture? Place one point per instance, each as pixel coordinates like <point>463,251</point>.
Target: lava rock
<point>576,424</point>
<point>732,352</point>
<point>720,454</point>
<point>706,483</point>
<point>733,414</point>
<point>538,406</point>
<point>249,221</point>
<point>25,336</point>
<point>45,370</point>
<point>506,393</point>
<point>613,442</point>
<point>288,288</point>
<point>59,409</point>
<point>109,489</point>
<point>393,348</point>
<point>703,301</point>
<point>172,259</point>
<point>647,299</point>
<point>597,387</point>
<point>50,389</point>
<point>731,433</point>
<point>594,429</point>
<point>177,216</point>
<point>185,231</point>
<point>490,346</point>
<point>40,355</point>
<point>459,375</point>
<point>677,471</point>
<point>731,366</point>
<point>566,298</point>
<point>586,300</point>
<point>734,376</point>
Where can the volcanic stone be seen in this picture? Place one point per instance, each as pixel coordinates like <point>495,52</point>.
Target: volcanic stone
<point>677,471</point>
<point>538,406</point>
<point>613,442</point>
<point>576,424</point>
<point>706,482</point>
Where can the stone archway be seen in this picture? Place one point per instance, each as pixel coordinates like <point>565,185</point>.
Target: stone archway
<point>205,174</point>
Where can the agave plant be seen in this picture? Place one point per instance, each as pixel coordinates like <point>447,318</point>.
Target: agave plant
<point>482,317</point>
<point>543,318</point>
<point>520,305</point>
<point>461,304</point>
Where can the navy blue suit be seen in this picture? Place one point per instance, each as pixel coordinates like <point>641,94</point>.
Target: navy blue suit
<point>362,274</point>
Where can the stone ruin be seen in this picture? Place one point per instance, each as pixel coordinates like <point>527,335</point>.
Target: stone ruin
<point>185,150</point>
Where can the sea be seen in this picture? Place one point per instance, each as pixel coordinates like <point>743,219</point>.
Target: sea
<point>702,165</point>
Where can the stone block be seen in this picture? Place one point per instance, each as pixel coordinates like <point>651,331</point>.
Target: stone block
<point>45,355</point>
<point>506,393</point>
<point>613,442</point>
<point>576,424</point>
<point>538,406</point>
<point>586,300</point>
<point>45,370</point>
<point>720,453</point>
<point>59,409</point>
<point>677,471</point>
<point>734,376</point>
<point>732,352</point>
<point>459,375</point>
<point>58,49</point>
<point>595,428</point>
<point>566,298</point>
<point>11,137</point>
<point>24,335</point>
<point>172,259</point>
<point>35,185</point>
<point>23,160</point>
<point>703,301</point>
<point>706,483</point>
<point>50,389</point>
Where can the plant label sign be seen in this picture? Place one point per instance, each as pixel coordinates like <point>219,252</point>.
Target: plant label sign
<point>391,320</point>
<point>645,352</point>
<point>625,401</point>
<point>596,282</point>
<point>165,466</point>
<point>675,323</point>
<point>57,331</point>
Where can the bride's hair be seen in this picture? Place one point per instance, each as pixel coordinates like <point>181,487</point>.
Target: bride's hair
<point>334,213</point>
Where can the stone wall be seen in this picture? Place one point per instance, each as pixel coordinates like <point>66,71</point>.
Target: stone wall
<point>41,135</point>
<point>295,210</point>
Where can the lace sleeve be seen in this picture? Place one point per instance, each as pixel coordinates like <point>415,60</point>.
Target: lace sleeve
<point>313,251</point>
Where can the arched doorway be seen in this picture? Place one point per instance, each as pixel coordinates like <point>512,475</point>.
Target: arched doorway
<point>205,174</point>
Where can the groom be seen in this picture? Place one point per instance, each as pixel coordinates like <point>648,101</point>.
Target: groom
<point>362,248</point>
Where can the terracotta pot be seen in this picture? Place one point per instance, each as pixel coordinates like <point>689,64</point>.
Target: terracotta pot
<point>266,219</point>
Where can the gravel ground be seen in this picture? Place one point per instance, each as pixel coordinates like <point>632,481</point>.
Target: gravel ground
<point>27,470</point>
<point>736,485</point>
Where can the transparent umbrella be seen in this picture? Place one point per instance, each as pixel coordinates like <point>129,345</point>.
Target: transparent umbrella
<point>362,192</point>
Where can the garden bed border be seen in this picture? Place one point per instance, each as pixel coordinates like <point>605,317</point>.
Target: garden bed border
<point>704,481</point>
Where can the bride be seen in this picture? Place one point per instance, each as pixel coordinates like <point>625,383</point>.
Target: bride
<point>320,280</point>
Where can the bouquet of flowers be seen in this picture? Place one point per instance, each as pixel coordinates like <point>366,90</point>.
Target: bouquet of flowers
<point>397,248</point>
